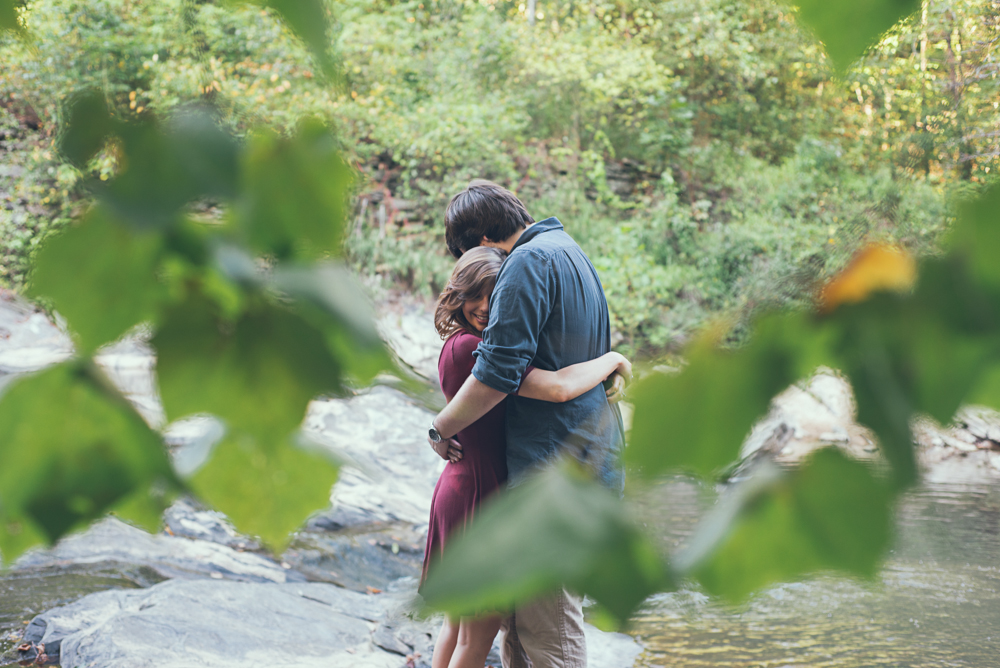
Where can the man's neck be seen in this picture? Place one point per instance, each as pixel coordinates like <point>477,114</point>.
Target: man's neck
<point>509,243</point>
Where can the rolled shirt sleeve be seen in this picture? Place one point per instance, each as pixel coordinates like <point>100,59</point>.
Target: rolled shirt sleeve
<point>519,308</point>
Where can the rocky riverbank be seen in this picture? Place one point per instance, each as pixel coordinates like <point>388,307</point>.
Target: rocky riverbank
<point>342,594</point>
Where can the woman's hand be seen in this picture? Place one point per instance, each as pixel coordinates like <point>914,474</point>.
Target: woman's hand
<point>616,392</point>
<point>619,380</point>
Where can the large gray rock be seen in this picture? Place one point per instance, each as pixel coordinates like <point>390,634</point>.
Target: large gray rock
<point>112,541</point>
<point>187,519</point>
<point>408,327</point>
<point>807,416</point>
<point>129,364</point>
<point>28,339</point>
<point>394,472</point>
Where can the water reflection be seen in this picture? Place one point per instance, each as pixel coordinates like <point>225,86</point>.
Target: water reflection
<point>935,603</point>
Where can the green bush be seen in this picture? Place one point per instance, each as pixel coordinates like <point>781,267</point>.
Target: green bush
<point>700,152</point>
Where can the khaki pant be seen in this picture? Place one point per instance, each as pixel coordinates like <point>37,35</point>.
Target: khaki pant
<point>545,634</point>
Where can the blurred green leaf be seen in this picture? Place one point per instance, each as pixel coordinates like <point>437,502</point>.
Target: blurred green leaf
<point>145,506</point>
<point>18,534</point>
<point>88,127</point>
<point>952,323</point>
<point>295,193</point>
<point>8,16</point>
<point>696,420</point>
<point>559,528</point>
<point>62,473</point>
<point>830,513</point>
<point>976,236</point>
<point>267,490</point>
<point>328,296</point>
<point>849,28</point>
<point>331,289</point>
<point>310,21</point>
<point>882,379</point>
<point>166,166</point>
<point>258,373</point>
<point>209,154</point>
<point>987,389</point>
<point>918,353</point>
<point>101,276</point>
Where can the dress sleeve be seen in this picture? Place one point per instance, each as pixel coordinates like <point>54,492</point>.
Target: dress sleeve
<point>456,362</point>
<point>520,307</point>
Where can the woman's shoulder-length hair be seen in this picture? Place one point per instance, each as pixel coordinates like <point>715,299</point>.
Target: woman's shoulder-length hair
<point>474,275</point>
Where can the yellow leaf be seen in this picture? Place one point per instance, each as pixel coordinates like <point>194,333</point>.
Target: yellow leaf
<point>875,268</point>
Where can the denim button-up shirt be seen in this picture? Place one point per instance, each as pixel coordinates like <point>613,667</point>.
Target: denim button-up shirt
<point>548,309</point>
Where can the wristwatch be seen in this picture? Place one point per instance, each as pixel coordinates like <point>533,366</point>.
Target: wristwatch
<point>434,434</point>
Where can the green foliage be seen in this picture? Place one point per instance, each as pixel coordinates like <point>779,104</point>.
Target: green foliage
<point>559,528</point>
<point>831,513</point>
<point>700,151</point>
<point>61,474</point>
<point>928,89</point>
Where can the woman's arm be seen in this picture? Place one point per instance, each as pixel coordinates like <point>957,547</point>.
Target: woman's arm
<point>571,382</point>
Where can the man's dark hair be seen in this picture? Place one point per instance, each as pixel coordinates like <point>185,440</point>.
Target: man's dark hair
<point>483,209</point>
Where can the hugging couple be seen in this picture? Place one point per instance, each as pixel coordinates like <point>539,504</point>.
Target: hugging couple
<point>524,369</point>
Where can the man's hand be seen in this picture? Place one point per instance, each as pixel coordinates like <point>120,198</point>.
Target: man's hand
<point>448,449</point>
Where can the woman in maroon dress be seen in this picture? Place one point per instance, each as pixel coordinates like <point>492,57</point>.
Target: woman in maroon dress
<point>481,467</point>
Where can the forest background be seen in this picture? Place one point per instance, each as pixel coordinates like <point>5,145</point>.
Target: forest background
<point>700,150</point>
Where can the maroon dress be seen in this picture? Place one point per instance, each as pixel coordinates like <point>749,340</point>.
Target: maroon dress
<point>483,467</point>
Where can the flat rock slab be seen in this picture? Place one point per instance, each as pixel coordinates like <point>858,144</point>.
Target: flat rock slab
<point>113,541</point>
<point>374,558</point>
<point>181,623</point>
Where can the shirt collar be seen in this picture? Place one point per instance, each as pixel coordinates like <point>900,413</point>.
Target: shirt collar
<point>542,226</point>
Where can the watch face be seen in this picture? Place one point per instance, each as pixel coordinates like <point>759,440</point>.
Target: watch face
<point>434,434</point>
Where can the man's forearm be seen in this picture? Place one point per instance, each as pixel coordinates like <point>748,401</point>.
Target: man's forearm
<point>473,401</point>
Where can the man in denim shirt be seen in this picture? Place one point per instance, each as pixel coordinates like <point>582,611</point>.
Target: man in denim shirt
<point>548,309</point>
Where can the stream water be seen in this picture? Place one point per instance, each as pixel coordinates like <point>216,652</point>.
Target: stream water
<point>935,603</point>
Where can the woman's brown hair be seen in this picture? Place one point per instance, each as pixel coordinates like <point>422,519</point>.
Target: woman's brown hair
<point>474,275</point>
